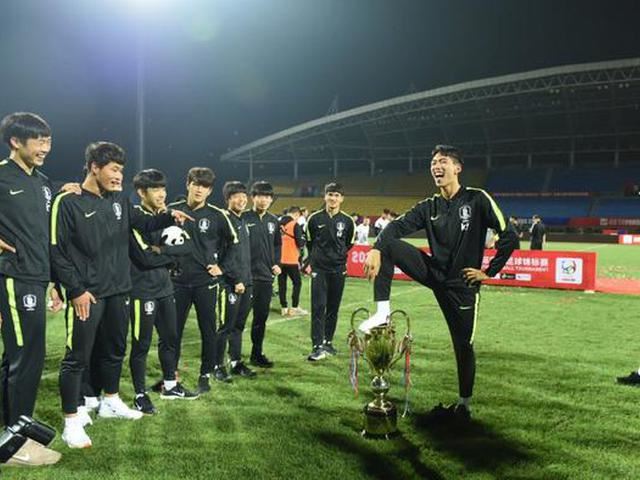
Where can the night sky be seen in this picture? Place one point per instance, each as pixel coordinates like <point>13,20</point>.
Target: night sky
<point>219,74</point>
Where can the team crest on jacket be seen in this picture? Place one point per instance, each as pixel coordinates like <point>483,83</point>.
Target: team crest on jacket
<point>233,298</point>
<point>29,302</point>
<point>465,217</point>
<point>149,307</point>
<point>271,227</point>
<point>46,191</point>
<point>203,225</point>
<point>340,227</point>
<point>117,209</point>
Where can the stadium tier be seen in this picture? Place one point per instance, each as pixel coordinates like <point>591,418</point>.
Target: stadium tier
<point>547,207</point>
<point>617,207</point>
<point>600,180</point>
<point>517,180</point>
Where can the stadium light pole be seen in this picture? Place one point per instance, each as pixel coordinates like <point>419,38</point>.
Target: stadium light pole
<point>140,99</point>
<point>143,11</point>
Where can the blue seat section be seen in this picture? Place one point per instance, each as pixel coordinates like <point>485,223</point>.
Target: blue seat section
<point>618,207</point>
<point>593,179</point>
<point>516,180</point>
<point>553,210</point>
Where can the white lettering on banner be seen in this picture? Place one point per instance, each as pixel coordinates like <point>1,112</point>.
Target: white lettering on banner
<point>358,256</point>
<point>523,277</point>
<point>569,270</point>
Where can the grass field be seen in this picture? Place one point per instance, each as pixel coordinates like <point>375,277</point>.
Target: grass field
<point>546,404</point>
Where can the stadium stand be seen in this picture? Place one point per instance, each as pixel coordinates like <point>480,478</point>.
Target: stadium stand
<point>617,207</point>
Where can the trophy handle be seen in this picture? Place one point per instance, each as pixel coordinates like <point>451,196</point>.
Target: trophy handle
<point>402,346</point>
<point>355,314</point>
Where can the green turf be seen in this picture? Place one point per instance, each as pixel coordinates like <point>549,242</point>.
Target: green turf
<point>545,406</point>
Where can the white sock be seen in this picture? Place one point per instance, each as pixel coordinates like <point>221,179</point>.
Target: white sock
<point>234,363</point>
<point>71,421</point>
<point>466,401</point>
<point>170,384</point>
<point>384,308</point>
<point>110,398</point>
<point>639,371</point>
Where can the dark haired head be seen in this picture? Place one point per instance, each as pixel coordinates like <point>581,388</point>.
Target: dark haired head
<point>233,187</point>
<point>23,126</point>
<point>448,151</point>
<point>294,209</point>
<point>202,176</point>
<point>262,188</point>
<point>536,217</point>
<point>102,154</point>
<point>149,178</point>
<point>333,187</point>
<point>386,211</point>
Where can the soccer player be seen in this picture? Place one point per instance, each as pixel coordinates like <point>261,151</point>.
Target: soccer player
<point>362,232</point>
<point>382,221</point>
<point>513,220</point>
<point>292,235</point>
<point>330,234</point>
<point>197,276</point>
<point>266,244</point>
<point>25,202</point>
<point>456,221</point>
<point>152,301</point>
<point>538,233</point>
<point>237,288</point>
<point>90,257</point>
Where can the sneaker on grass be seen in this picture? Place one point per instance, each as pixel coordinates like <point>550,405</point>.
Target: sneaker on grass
<point>114,407</point>
<point>74,435</point>
<point>178,393</point>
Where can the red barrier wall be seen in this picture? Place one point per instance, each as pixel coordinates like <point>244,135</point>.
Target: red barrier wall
<point>525,268</point>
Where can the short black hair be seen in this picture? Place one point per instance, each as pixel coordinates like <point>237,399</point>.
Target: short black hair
<point>262,188</point>
<point>149,178</point>
<point>386,211</point>
<point>536,216</point>
<point>103,153</point>
<point>23,126</point>
<point>448,151</point>
<point>294,209</point>
<point>202,176</point>
<point>233,187</point>
<point>333,187</point>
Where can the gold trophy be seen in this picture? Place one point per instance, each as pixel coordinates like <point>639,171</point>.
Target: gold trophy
<point>382,350</point>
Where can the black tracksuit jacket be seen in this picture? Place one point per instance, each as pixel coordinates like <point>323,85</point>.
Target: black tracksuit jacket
<point>90,241</point>
<point>266,244</point>
<point>456,231</point>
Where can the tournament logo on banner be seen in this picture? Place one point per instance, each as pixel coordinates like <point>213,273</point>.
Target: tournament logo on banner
<point>569,270</point>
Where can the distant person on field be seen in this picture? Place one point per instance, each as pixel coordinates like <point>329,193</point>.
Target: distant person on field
<point>538,233</point>
<point>381,222</point>
<point>516,227</point>
<point>362,232</point>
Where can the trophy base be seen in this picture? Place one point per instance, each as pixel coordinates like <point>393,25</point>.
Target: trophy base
<point>380,422</point>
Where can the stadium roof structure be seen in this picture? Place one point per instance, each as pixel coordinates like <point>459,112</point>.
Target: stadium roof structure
<point>564,113</point>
